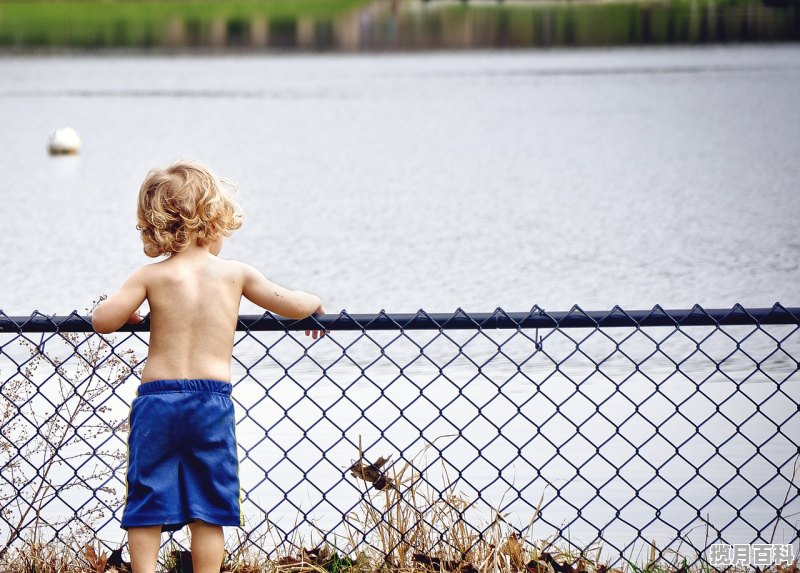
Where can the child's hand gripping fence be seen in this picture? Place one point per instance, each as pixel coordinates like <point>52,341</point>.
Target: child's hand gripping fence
<point>660,431</point>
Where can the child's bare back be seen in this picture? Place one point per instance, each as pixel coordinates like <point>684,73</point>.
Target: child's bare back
<point>194,301</point>
<point>194,304</point>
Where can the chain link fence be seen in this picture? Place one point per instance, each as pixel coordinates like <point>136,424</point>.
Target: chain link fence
<point>668,430</point>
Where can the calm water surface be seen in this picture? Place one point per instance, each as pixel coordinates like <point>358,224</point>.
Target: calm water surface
<point>629,177</point>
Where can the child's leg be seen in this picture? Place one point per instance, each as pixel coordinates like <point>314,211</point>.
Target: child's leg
<point>144,543</point>
<point>208,547</point>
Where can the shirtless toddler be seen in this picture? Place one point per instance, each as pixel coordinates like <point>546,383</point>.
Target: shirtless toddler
<point>182,464</point>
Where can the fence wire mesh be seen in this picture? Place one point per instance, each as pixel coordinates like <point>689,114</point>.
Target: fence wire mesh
<point>429,434</point>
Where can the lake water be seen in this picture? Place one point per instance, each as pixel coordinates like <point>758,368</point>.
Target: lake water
<point>629,177</point>
<point>590,177</point>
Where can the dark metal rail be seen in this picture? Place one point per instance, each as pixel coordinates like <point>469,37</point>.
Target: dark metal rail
<point>458,320</point>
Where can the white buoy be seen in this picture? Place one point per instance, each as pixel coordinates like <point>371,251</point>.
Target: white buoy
<point>64,141</point>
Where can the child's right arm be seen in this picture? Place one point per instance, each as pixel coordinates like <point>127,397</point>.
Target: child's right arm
<point>121,307</point>
<point>289,303</point>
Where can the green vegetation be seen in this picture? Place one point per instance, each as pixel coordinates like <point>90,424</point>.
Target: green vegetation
<point>343,24</point>
<point>87,24</point>
<point>588,23</point>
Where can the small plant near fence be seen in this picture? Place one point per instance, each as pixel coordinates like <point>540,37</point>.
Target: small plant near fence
<point>52,444</point>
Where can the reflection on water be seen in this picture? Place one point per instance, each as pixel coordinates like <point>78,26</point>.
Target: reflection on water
<point>387,25</point>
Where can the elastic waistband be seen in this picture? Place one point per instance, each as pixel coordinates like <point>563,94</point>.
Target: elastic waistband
<point>184,385</point>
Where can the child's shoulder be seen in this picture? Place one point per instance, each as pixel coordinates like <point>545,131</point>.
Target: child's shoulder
<point>150,269</point>
<point>242,269</point>
<point>147,274</point>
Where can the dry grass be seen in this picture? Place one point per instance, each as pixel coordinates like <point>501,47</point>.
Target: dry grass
<point>508,555</point>
<point>403,525</point>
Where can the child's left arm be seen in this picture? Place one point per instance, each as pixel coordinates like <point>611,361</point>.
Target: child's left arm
<point>122,306</point>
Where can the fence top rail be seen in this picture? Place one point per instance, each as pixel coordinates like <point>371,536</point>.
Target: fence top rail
<point>459,320</point>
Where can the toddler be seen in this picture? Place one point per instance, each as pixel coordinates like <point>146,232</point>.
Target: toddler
<point>182,459</point>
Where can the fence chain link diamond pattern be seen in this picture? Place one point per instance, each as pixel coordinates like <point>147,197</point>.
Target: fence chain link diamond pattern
<point>679,427</point>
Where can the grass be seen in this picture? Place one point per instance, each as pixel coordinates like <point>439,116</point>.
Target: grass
<point>401,525</point>
<point>131,23</point>
<point>504,555</point>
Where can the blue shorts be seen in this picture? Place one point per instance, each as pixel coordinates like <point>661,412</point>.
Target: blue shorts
<point>182,458</point>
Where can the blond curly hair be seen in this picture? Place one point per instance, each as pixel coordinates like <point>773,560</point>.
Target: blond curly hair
<point>181,204</point>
